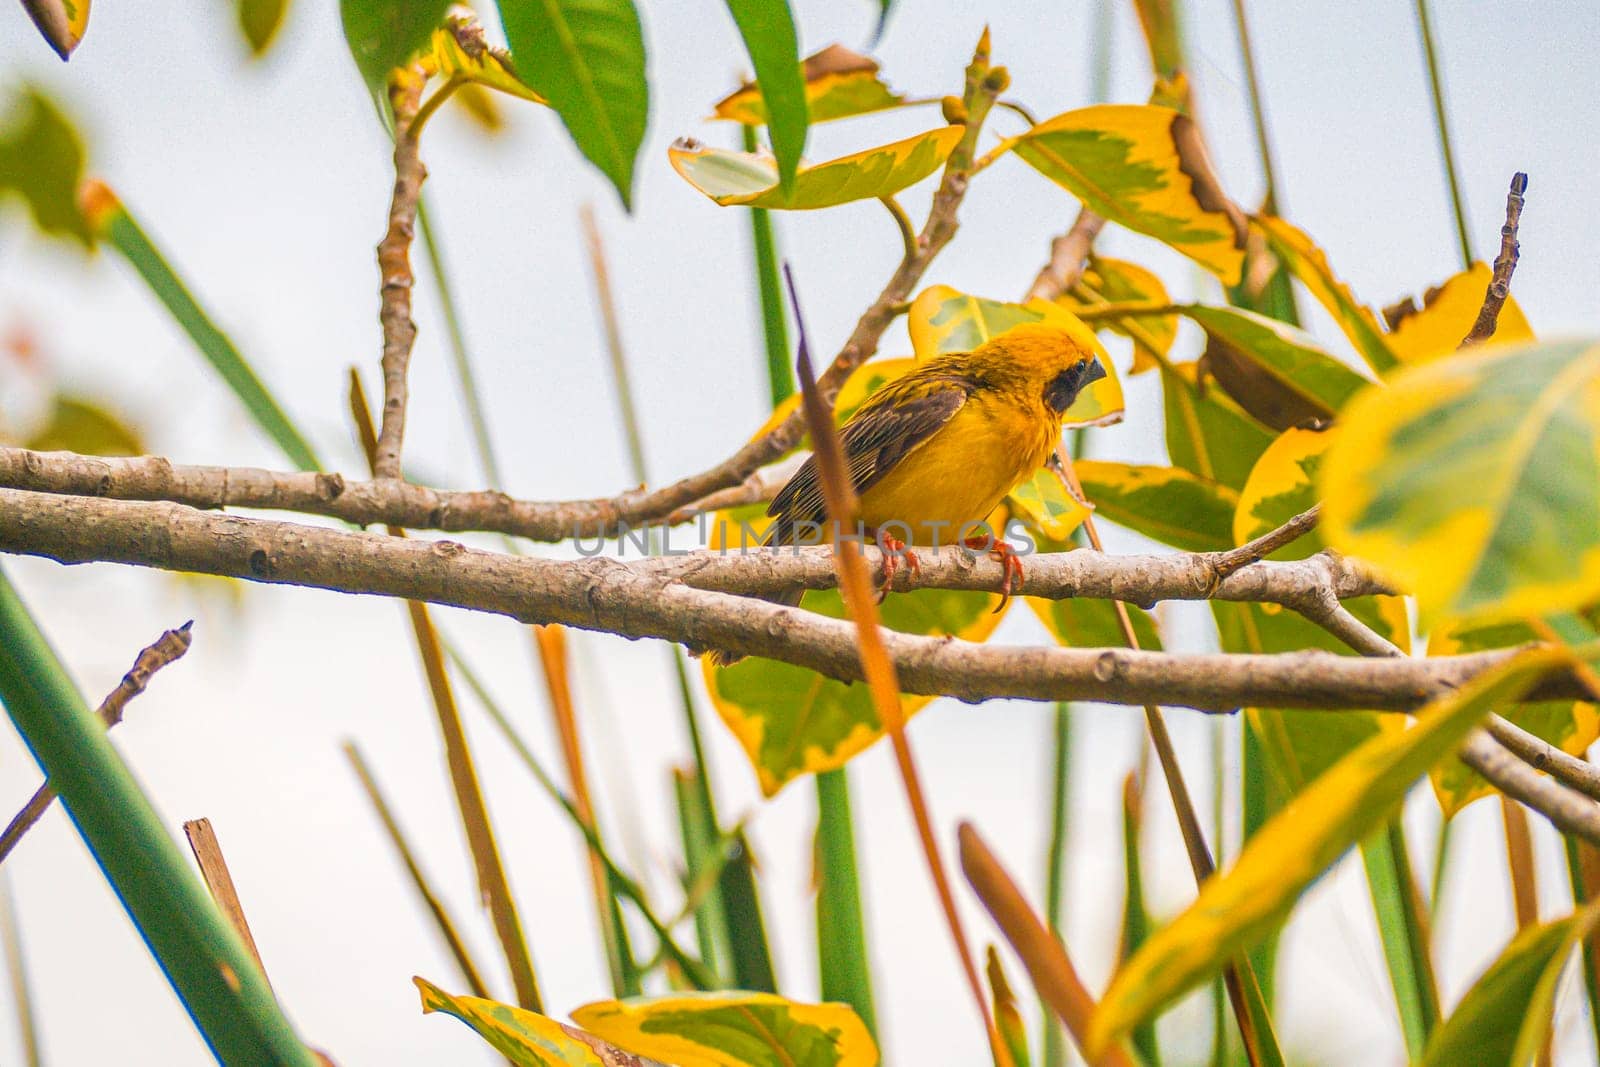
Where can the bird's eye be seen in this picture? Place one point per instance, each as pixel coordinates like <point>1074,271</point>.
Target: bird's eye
<point>1065,387</point>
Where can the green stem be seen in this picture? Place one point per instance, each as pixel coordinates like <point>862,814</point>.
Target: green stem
<point>774,327</point>
<point>1257,113</point>
<point>218,981</point>
<point>1580,897</point>
<point>1442,124</point>
<point>1403,930</point>
<point>841,929</point>
<point>17,972</point>
<point>1053,1044</point>
<point>126,236</point>
<point>470,393</point>
<point>1100,35</point>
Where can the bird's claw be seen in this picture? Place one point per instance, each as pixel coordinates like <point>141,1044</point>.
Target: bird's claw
<point>1001,552</point>
<point>894,550</point>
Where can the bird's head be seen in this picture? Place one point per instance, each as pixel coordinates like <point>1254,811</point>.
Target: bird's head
<point>1054,360</point>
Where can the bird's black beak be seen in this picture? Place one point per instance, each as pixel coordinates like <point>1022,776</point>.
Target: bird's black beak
<point>1065,387</point>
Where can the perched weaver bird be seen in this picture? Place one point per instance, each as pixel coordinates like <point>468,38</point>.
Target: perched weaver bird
<point>938,448</point>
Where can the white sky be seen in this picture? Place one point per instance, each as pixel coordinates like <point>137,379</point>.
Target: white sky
<point>268,184</point>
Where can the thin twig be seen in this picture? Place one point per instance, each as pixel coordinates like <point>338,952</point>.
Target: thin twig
<point>419,881</point>
<point>167,648</point>
<point>1261,547</point>
<point>394,269</point>
<point>219,880</point>
<point>1540,754</point>
<point>1505,263</point>
<point>1269,203</point>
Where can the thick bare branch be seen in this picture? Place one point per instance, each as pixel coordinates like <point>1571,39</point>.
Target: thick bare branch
<point>1571,811</point>
<point>1540,754</point>
<point>605,595</point>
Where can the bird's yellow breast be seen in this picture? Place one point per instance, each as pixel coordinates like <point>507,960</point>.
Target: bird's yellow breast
<point>961,473</point>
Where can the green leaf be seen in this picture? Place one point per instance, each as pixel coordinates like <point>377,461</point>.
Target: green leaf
<point>41,159</point>
<point>1146,168</point>
<point>1474,481</point>
<point>259,21</point>
<point>1166,504</point>
<point>769,36</point>
<point>839,83</point>
<point>586,57</point>
<point>751,178</point>
<point>1043,504</point>
<point>1302,258</point>
<point>792,721</point>
<point>1207,433</point>
<point>384,34</point>
<point>718,1029</point>
<point>112,221</point>
<point>1503,1019</point>
<point>1277,373</point>
<point>1007,1018</point>
<point>1236,909</point>
<point>526,1038</point>
<point>219,983</point>
<point>943,319</point>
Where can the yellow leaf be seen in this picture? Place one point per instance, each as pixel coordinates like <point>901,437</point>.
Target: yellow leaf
<point>1237,909</point>
<point>751,178</point>
<point>1303,259</point>
<point>1118,281</point>
<point>1281,486</point>
<point>943,319</point>
<point>1043,504</point>
<point>1446,316</point>
<point>1166,504</point>
<point>460,51</point>
<point>78,425</point>
<point>1474,481</point>
<point>839,83</point>
<point>1146,168</point>
<point>41,159</point>
<point>61,23</point>
<point>732,1029</point>
<point>526,1038</point>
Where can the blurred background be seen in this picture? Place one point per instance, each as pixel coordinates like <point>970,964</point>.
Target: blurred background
<point>267,183</point>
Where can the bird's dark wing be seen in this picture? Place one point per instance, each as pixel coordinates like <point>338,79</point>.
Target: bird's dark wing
<point>896,419</point>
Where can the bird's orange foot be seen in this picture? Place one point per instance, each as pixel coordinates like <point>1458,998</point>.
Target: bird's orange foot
<point>1002,553</point>
<point>894,551</point>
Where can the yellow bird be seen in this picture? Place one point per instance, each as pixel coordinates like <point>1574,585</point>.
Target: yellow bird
<point>934,451</point>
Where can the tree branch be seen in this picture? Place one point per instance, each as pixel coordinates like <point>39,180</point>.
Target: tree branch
<point>167,648</point>
<point>1508,757</point>
<point>394,268</point>
<point>1067,255</point>
<point>1500,283</point>
<point>632,601</point>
